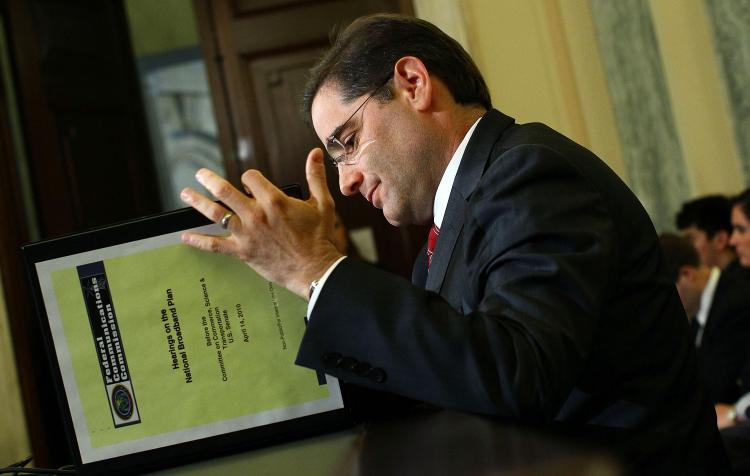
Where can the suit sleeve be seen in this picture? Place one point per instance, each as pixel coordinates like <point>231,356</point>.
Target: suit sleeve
<point>539,259</point>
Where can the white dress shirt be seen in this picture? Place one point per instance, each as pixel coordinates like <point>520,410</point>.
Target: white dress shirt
<point>707,297</point>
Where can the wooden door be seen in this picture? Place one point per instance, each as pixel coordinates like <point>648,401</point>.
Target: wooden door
<point>257,55</point>
<point>87,145</point>
<point>89,163</point>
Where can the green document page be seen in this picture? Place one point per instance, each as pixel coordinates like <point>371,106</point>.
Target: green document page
<point>160,344</point>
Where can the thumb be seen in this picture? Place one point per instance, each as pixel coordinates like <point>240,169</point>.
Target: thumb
<point>315,170</point>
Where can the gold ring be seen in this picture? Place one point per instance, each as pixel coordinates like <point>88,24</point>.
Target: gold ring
<point>225,219</point>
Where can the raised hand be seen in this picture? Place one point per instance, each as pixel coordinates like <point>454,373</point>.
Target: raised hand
<point>284,239</point>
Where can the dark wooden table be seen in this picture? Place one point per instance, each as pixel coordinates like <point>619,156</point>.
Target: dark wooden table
<point>439,443</point>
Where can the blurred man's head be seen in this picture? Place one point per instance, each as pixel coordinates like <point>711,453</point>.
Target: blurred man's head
<point>685,269</point>
<point>706,223</point>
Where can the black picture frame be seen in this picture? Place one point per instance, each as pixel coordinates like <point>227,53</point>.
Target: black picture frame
<point>182,453</point>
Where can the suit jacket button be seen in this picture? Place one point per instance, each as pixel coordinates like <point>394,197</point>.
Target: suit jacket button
<point>332,359</point>
<point>348,363</point>
<point>378,375</point>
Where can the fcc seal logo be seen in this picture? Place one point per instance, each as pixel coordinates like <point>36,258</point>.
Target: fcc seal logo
<point>122,402</point>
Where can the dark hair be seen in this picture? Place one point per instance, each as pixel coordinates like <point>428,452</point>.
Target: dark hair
<point>743,200</point>
<point>678,251</point>
<point>362,58</point>
<point>711,214</point>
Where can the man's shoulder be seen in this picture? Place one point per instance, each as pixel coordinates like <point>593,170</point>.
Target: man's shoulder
<point>540,137</point>
<point>534,151</point>
<point>734,285</point>
<point>731,300</point>
<point>736,270</point>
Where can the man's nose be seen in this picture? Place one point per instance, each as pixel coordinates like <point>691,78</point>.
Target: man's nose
<point>350,179</point>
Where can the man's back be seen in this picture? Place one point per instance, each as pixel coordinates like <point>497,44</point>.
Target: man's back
<point>548,214</point>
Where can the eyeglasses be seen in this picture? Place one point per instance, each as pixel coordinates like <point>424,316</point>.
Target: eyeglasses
<point>346,150</point>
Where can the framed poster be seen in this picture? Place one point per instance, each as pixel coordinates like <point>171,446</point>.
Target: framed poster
<point>165,354</point>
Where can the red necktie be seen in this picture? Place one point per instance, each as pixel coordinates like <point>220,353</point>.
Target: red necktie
<point>431,242</point>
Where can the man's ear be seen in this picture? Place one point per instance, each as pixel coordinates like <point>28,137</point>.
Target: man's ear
<point>411,79</point>
<point>686,272</point>
<point>720,240</point>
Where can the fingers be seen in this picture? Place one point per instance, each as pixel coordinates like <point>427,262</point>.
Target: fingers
<point>315,170</point>
<point>207,207</point>
<point>265,193</point>
<point>222,190</point>
<point>213,244</point>
<point>214,212</point>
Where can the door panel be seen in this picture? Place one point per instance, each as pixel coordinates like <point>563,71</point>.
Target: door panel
<point>277,81</point>
<point>258,54</point>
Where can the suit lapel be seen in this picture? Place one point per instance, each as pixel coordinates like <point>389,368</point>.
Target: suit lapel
<point>453,222</point>
<point>419,271</point>
<point>473,164</point>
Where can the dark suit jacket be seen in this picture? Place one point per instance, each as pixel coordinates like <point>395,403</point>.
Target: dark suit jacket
<point>736,270</point>
<point>543,303</point>
<point>724,346</point>
<point>744,384</point>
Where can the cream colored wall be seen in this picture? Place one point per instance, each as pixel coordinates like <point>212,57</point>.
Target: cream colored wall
<point>542,63</point>
<point>14,441</point>
<point>699,100</point>
<point>598,130</point>
<point>446,15</point>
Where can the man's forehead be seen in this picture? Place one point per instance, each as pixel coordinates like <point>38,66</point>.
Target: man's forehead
<point>327,110</point>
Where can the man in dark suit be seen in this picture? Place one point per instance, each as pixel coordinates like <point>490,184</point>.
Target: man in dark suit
<point>543,299</point>
<point>706,222</point>
<point>719,310</point>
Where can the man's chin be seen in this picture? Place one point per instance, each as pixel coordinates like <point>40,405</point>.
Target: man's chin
<point>404,219</point>
<point>394,219</point>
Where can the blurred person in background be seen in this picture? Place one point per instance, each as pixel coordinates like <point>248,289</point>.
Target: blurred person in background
<point>739,412</point>
<point>706,222</point>
<point>718,307</point>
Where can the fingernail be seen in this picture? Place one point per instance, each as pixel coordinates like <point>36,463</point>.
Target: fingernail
<point>185,196</point>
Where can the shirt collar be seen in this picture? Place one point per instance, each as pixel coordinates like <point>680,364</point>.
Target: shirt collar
<point>449,176</point>
<point>707,296</point>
